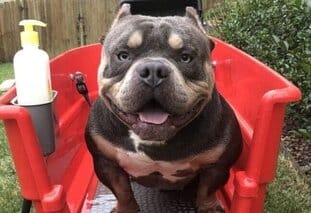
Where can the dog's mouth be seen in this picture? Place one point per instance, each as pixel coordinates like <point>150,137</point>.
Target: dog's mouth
<point>153,113</point>
<point>152,121</point>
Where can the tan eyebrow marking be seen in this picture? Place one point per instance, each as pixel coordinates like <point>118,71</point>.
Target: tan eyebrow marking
<point>135,39</point>
<point>175,41</point>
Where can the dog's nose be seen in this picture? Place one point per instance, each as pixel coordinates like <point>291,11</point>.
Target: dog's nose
<point>153,73</point>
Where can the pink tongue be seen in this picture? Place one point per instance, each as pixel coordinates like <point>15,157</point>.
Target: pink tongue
<point>153,117</point>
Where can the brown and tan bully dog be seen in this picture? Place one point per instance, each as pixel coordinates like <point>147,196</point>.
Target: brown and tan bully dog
<point>159,119</point>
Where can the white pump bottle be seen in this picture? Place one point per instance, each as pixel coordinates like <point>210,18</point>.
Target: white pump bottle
<point>31,68</point>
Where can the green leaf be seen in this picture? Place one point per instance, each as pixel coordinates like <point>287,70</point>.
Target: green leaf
<point>276,39</point>
<point>285,45</point>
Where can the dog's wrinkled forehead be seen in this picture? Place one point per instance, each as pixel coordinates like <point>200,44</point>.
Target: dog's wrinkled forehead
<point>157,33</point>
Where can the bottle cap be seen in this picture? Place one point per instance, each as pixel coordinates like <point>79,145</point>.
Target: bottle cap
<point>29,36</point>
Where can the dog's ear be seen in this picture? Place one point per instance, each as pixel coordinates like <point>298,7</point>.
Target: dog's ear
<point>124,11</point>
<point>194,17</point>
<point>192,14</point>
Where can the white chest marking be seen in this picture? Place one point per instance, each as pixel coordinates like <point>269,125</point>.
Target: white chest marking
<point>137,140</point>
<point>139,164</point>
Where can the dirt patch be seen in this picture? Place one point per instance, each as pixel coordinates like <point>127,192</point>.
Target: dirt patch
<point>300,152</point>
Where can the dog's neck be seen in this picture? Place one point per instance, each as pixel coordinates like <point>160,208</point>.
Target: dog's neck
<point>201,129</point>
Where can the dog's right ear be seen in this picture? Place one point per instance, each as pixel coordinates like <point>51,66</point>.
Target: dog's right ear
<point>124,11</point>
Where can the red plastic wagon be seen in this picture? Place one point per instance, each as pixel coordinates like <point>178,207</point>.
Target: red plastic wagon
<point>65,181</point>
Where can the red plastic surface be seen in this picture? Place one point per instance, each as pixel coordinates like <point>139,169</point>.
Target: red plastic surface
<point>65,181</point>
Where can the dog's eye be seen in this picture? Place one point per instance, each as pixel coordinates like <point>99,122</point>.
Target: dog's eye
<point>186,58</point>
<point>123,56</point>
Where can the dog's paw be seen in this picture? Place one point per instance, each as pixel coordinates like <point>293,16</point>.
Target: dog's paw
<point>217,209</point>
<point>214,209</point>
<point>125,210</point>
<point>133,208</point>
<point>116,210</point>
<point>210,207</point>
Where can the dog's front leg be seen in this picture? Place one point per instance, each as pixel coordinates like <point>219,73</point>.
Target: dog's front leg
<point>111,175</point>
<point>108,171</point>
<point>210,179</point>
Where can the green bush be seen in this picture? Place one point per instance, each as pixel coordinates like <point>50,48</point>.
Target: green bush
<point>277,33</point>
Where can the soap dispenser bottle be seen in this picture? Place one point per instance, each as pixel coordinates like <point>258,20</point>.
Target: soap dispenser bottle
<point>31,68</point>
<point>33,85</point>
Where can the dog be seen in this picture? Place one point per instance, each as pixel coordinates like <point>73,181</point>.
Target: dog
<point>159,119</point>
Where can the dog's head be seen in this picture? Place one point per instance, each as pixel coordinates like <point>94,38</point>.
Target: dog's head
<point>155,74</point>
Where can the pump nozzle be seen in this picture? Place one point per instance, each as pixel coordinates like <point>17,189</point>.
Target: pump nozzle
<point>29,36</point>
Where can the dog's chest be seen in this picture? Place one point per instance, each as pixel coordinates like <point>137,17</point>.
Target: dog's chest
<point>138,164</point>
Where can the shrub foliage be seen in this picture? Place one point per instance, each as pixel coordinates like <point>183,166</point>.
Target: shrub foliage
<point>277,33</point>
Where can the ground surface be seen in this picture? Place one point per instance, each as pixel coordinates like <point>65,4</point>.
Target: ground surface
<point>10,200</point>
<point>300,151</point>
<point>289,193</point>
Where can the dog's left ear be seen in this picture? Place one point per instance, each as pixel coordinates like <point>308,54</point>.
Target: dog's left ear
<point>193,15</point>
